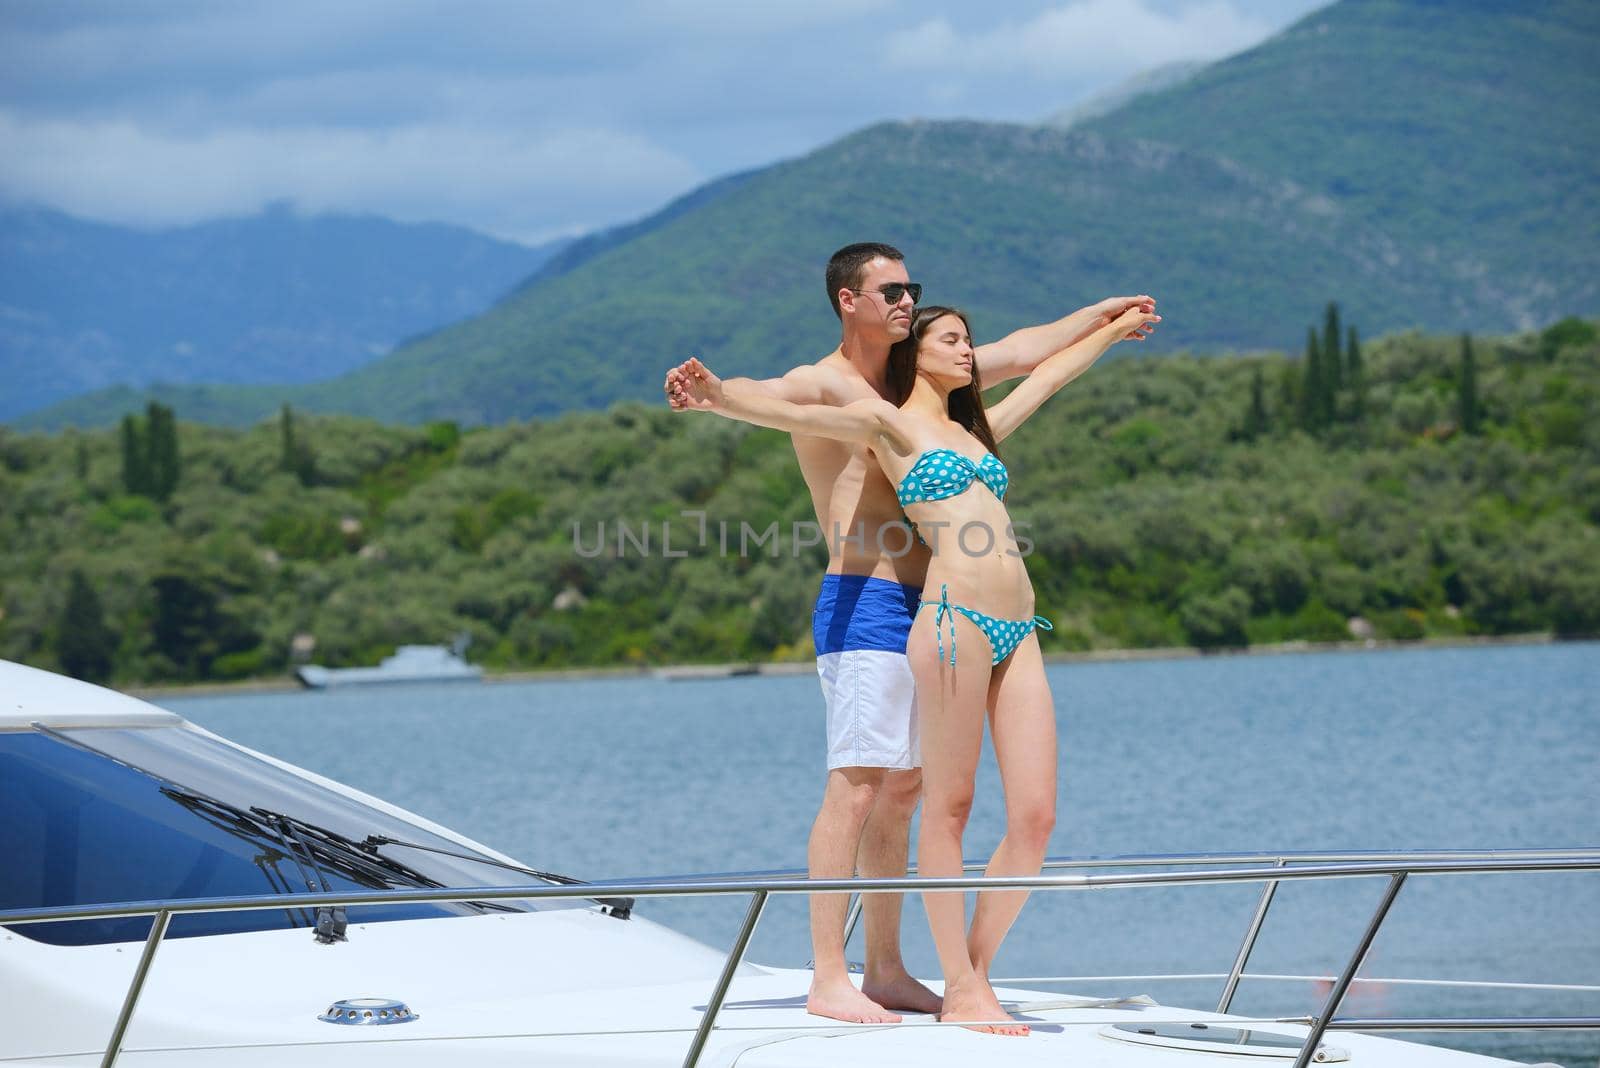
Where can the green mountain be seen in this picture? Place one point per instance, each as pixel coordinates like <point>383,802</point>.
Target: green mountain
<point>1431,165</point>
<point>1466,132</point>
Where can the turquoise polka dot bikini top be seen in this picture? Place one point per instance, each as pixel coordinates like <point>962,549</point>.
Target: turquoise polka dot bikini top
<point>941,473</point>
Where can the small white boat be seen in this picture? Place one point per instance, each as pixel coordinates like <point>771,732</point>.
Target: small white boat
<point>170,898</point>
<point>410,663</point>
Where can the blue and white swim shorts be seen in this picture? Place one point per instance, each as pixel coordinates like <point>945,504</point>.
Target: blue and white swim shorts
<point>860,627</point>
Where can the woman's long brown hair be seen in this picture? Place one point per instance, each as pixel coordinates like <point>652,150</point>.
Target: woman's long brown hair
<point>966,403</point>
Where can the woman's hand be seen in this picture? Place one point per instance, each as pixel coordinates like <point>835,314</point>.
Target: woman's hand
<point>1134,323</point>
<point>691,387</point>
<point>1113,308</point>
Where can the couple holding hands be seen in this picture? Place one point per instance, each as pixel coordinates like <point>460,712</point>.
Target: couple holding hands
<point>889,427</point>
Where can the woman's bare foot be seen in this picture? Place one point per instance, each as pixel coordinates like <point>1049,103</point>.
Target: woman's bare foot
<point>840,1000</point>
<point>901,991</point>
<point>971,1001</point>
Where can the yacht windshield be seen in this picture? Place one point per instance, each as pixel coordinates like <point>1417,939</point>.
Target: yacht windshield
<point>94,816</point>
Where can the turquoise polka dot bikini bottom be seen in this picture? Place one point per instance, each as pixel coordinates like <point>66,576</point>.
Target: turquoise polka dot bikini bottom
<point>1004,634</point>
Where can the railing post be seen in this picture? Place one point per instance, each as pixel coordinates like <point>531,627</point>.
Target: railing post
<point>158,928</point>
<point>1249,943</point>
<point>758,901</point>
<point>1319,1025</point>
<point>853,918</point>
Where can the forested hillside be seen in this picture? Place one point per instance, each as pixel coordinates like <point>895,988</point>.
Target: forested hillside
<point>1418,485</point>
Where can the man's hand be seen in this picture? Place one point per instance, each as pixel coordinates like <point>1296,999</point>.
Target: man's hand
<point>691,387</point>
<point>677,387</point>
<point>673,388</point>
<point>1113,308</point>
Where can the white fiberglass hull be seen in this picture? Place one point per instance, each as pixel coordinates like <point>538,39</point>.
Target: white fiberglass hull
<point>572,987</point>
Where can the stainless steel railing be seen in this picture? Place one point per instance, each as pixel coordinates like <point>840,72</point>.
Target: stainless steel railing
<point>1269,869</point>
<point>1270,889</point>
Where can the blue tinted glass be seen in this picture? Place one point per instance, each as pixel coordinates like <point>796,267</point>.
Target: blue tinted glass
<point>77,827</point>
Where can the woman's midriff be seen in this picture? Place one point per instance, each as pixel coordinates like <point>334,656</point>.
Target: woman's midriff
<point>975,555</point>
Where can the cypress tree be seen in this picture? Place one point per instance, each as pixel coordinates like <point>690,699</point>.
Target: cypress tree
<point>1355,374</point>
<point>1312,383</point>
<point>1467,388</point>
<point>297,458</point>
<point>1288,390</point>
<point>1330,348</point>
<point>286,438</point>
<point>85,646</point>
<point>135,461</point>
<point>162,450</point>
<point>80,460</point>
<point>1256,421</point>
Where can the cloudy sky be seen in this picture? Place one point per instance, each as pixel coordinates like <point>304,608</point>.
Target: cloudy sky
<point>524,118</point>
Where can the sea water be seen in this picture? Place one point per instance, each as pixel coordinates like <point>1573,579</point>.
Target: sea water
<point>1467,748</point>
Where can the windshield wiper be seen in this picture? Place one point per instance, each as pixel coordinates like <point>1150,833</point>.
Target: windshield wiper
<point>361,862</point>
<point>320,848</point>
<point>303,842</point>
<point>332,921</point>
<point>620,907</point>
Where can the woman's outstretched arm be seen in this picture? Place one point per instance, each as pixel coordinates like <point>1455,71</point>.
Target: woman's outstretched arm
<point>874,422</point>
<point>1020,352</point>
<point>1061,368</point>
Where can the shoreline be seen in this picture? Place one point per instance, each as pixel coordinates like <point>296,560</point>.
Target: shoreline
<point>743,669</point>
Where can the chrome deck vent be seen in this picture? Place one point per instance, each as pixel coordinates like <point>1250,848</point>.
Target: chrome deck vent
<point>368,1012</point>
<point>1209,1038</point>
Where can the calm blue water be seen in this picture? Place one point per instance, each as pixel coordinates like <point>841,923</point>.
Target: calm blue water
<point>1417,749</point>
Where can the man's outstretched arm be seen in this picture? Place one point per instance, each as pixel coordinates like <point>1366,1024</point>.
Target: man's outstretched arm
<point>1019,352</point>
<point>802,385</point>
<point>873,421</point>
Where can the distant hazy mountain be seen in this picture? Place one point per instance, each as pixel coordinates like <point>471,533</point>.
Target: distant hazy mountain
<point>1427,163</point>
<point>274,298</point>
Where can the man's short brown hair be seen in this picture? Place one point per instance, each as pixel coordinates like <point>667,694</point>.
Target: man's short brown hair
<point>846,267</point>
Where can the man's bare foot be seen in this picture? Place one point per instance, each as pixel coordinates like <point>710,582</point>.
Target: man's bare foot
<point>901,991</point>
<point>971,1001</point>
<point>840,1000</point>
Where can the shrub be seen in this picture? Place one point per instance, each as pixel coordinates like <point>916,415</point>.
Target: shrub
<point>1216,620</point>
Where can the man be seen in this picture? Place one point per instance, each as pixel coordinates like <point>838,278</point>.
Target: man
<point>868,599</point>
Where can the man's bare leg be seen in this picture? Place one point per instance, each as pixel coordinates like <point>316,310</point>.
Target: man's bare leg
<point>831,854</point>
<point>885,844</point>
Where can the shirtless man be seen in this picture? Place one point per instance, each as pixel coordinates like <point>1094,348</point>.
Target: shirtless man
<point>864,611</point>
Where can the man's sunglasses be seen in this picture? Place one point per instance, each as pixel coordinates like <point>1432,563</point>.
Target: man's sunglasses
<point>893,291</point>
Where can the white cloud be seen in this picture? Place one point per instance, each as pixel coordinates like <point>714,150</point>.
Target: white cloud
<point>523,117</point>
<point>525,185</point>
<point>230,39</point>
<point>1081,40</point>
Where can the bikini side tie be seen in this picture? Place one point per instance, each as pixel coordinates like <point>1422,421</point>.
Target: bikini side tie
<point>939,614</point>
<point>1004,634</point>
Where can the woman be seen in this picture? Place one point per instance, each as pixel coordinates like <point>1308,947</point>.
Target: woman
<point>939,447</point>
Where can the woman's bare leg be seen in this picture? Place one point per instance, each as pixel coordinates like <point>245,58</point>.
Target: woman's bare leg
<point>1022,722</point>
<point>950,702</point>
